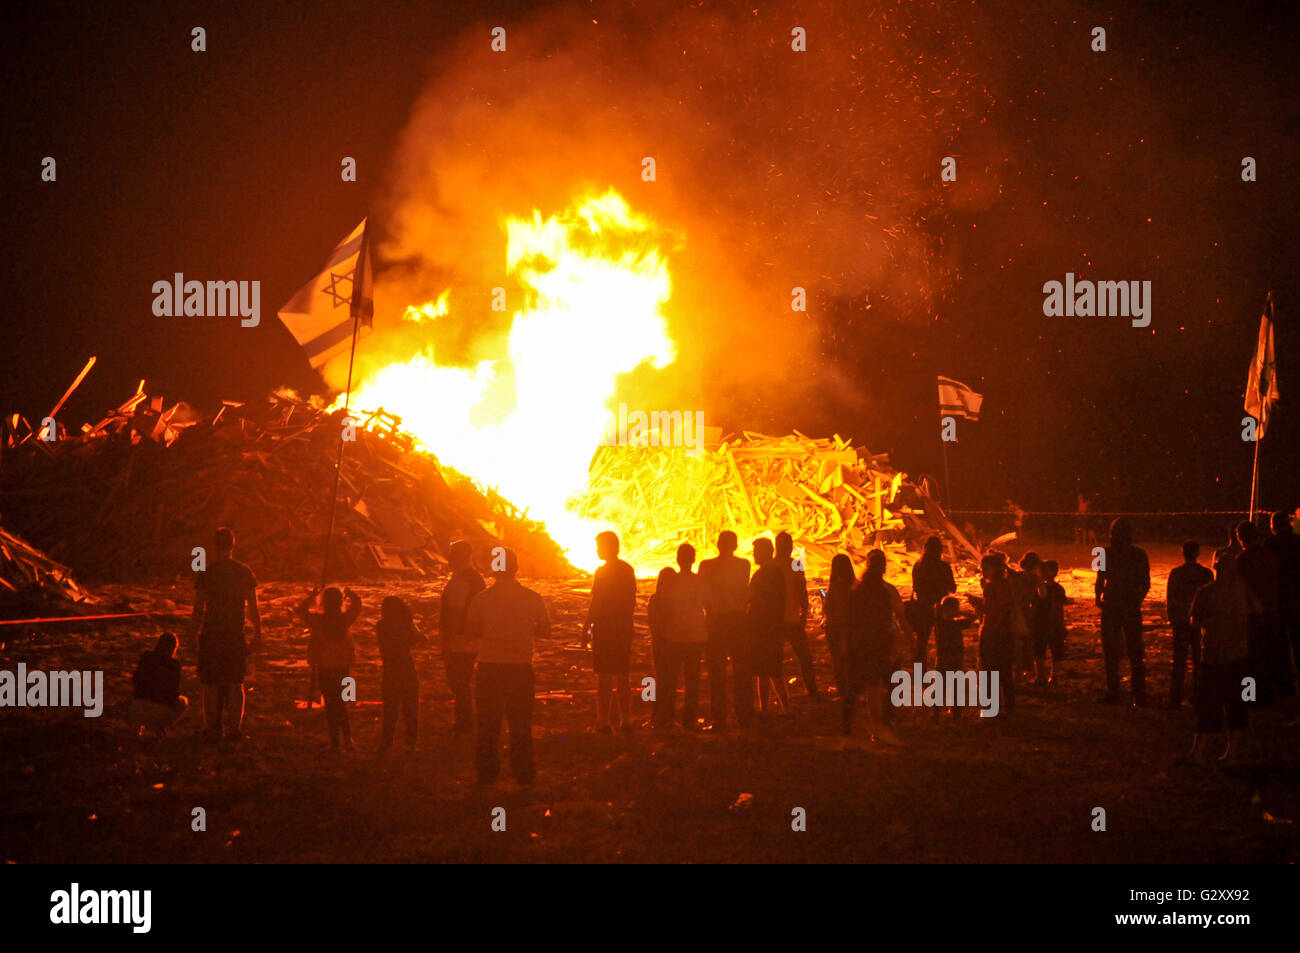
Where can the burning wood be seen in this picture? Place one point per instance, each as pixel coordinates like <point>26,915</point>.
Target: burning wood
<point>829,495</point>
<point>133,494</point>
<point>31,581</point>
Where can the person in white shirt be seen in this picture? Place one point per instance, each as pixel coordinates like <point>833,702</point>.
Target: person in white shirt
<point>503,621</point>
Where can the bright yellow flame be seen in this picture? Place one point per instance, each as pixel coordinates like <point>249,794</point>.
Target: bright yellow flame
<point>429,311</point>
<point>527,421</point>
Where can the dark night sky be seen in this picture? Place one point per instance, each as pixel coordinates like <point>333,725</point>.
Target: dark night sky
<point>1121,166</point>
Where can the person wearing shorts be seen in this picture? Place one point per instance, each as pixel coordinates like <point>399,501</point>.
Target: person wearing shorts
<point>609,630</point>
<point>223,590</point>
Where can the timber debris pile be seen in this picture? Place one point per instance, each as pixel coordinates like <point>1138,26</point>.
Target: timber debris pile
<point>828,494</point>
<point>132,494</point>
<point>31,583</point>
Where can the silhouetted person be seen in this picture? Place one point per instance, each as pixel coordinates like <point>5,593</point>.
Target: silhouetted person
<point>1122,584</point>
<point>931,581</point>
<point>726,577</point>
<point>1027,584</point>
<point>397,635</point>
<point>766,613</point>
<point>1049,626</point>
<point>1258,568</point>
<point>1183,582</point>
<point>1082,531</point>
<point>796,611</point>
<point>1285,547</point>
<point>875,607</point>
<point>837,615</point>
<point>458,651</point>
<point>223,592</point>
<point>949,637</point>
<point>950,628</point>
<point>657,617</point>
<point>1221,611</point>
<point>330,652</point>
<point>1232,548</point>
<point>504,621</point>
<point>156,700</point>
<point>997,627</point>
<point>610,630</point>
<point>684,643</point>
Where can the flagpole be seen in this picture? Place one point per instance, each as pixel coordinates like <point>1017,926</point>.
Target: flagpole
<point>357,285</point>
<point>943,445</point>
<point>1262,377</point>
<point>1254,477</point>
<point>947,480</point>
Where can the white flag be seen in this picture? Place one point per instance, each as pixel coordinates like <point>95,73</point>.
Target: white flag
<point>958,400</point>
<point>1261,381</point>
<point>325,311</point>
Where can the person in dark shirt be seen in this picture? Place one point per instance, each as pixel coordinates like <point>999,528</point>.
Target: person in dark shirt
<point>836,616</point>
<point>727,578</point>
<point>609,629</point>
<point>1221,610</point>
<point>998,615</point>
<point>1257,566</point>
<point>223,591</point>
<point>1122,584</point>
<point>458,653</point>
<point>875,615</point>
<point>950,626</point>
<point>657,612</point>
<point>1285,547</point>
<point>330,651</point>
<point>796,611</point>
<point>1183,582</point>
<point>767,624</point>
<point>1049,628</point>
<point>1027,585</point>
<point>157,701</point>
<point>397,635</point>
<point>685,642</point>
<point>932,581</point>
<point>949,637</point>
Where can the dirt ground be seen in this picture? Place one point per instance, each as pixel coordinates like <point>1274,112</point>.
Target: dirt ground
<point>1017,788</point>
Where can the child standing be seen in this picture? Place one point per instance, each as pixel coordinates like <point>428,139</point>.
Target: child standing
<point>950,626</point>
<point>1050,632</point>
<point>397,635</point>
<point>1027,589</point>
<point>835,610</point>
<point>330,651</point>
<point>998,625</point>
<point>657,615</point>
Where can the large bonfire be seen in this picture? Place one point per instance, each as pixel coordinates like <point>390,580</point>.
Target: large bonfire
<point>533,419</point>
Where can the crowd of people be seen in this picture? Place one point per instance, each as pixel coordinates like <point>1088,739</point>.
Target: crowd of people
<point>1237,628</point>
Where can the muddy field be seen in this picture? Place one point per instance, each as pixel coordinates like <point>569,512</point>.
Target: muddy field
<point>1014,788</point>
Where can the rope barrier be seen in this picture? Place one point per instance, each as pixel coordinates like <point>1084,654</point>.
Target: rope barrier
<point>1076,513</point>
<point>74,618</point>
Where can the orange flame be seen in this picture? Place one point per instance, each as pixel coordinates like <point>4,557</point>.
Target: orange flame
<point>527,420</point>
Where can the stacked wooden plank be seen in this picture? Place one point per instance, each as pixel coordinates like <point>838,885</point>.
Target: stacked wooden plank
<point>32,582</point>
<point>829,495</point>
<point>132,495</point>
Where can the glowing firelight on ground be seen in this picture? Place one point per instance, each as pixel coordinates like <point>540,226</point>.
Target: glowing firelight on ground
<point>527,421</point>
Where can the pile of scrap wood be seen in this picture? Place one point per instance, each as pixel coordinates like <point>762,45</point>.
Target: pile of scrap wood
<point>132,495</point>
<point>829,495</point>
<point>33,584</point>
